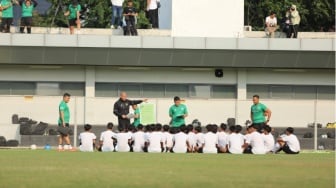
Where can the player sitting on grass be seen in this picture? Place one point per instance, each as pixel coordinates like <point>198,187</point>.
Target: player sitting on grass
<point>180,140</point>
<point>154,140</point>
<point>210,139</point>
<point>289,143</point>
<point>255,141</point>
<point>222,138</point>
<point>167,139</point>
<point>199,137</point>
<point>87,139</point>
<point>106,141</point>
<point>235,140</point>
<point>138,139</point>
<point>123,139</point>
<point>191,138</point>
<point>268,139</point>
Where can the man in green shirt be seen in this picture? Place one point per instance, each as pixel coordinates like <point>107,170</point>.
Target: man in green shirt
<point>259,112</point>
<point>73,15</point>
<point>178,112</point>
<point>63,123</point>
<point>136,121</point>
<point>7,14</point>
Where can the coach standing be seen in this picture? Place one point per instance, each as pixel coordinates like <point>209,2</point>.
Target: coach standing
<point>259,112</point>
<point>121,110</point>
<point>178,112</point>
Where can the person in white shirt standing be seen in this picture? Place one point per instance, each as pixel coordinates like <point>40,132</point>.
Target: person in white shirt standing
<point>87,139</point>
<point>210,139</point>
<point>123,140</point>
<point>289,143</point>
<point>268,139</point>
<point>167,139</point>
<point>117,13</point>
<point>154,140</point>
<point>106,141</point>
<point>256,141</point>
<point>180,141</point>
<point>138,139</point>
<point>222,138</point>
<point>153,12</point>
<point>271,25</point>
<point>235,140</point>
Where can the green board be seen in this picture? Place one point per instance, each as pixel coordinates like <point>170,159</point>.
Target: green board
<point>147,113</point>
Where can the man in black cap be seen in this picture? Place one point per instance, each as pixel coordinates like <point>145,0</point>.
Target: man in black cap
<point>121,110</point>
<point>178,112</point>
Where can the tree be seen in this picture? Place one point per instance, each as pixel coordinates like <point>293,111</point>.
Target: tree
<point>314,13</point>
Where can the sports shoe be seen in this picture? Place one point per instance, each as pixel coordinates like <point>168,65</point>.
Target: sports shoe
<point>112,26</point>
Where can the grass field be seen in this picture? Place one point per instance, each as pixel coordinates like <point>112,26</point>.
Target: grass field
<point>28,168</point>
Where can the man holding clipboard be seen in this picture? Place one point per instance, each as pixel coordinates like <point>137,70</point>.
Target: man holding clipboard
<point>178,112</point>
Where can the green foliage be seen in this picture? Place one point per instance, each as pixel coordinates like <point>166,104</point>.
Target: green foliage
<point>315,14</point>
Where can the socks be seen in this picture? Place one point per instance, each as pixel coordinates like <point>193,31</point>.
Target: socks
<point>21,29</point>
<point>29,30</point>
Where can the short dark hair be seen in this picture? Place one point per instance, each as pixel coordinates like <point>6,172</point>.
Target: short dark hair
<point>223,126</point>
<point>214,128</point>
<point>66,95</point>
<point>110,125</point>
<point>130,1</point>
<point>87,127</point>
<point>256,96</point>
<point>232,128</point>
<point>290,130</point>
<point>140,127</point>
<point>198,129</point>
<point>158,127</point>
<point>176,98</point>
<point>166,127</point>
<point>238,128</point>
<point>190,128</point>
<point>268,129</point>
<point>272,12</point>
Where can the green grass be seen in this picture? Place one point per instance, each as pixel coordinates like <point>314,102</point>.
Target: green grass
<point>47,169</point>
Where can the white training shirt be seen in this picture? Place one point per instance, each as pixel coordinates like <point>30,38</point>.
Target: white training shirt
<point>139,141</point>
<point>153,5</point>
<point>122,142</point>
<point>270,21</point>
<point>117,2</point>
<point>86,139</point>
<point>210,142</point>
<point>256,140</point>
<point>292,142</point>
<point>268,142</point>
<point>180,139</point>
<point>154,139</point>
<point>192,139</point>
<point>167,140</point>
<point>106,138</point>
<point>199,137</point>
<point>222,139</point>
<point>235,142</point>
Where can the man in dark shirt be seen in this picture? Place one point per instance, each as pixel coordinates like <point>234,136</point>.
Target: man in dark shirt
<point>130,15</point>
<point>121,110</point>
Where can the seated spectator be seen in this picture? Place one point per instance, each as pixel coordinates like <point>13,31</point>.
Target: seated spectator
<point>210,139</point>
<point>254,142</point>
<point>106,141</point>
<point>123,140</point>
<point>87,139</point>
<point>271,25</point>
<point>180,141</point>
<point>130,15</point>
<point>289,143</point>
<point>27,7</point>
<point>222,138</point>
<point>235,140</point>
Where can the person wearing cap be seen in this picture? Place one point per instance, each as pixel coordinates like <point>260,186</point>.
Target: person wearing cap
<point>27,8</point>
<point>294,18</point>
<point>271,25</point>
<point>178,112</point>
<point>73,14</point>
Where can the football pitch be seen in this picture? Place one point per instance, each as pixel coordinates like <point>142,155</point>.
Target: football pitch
<point>39,168</point>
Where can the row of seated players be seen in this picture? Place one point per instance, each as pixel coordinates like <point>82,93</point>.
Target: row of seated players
<point>158,138</point>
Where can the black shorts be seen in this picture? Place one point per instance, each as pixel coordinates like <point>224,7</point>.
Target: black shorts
<point>287,150</point>
<point>259,126</point>
<point>72,22</point>
<point>26,21</point>
<point>64,131</point>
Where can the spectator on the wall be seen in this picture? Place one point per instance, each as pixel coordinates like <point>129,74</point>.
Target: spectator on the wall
<point>294,18</point>
<point>153,12</point>
<point>271,25</point>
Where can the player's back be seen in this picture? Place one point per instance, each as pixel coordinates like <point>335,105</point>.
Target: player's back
<point>210,142</point>
<point>154,139</point>
<point>180,142</point>
<point>139,141</point>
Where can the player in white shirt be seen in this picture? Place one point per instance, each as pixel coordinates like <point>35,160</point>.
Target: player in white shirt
<point>222,138</point>
<point>290,143</point>
<point>210,139</point>
<point>180,140</point>
<point>138,139</point>
<point>199,138</point>
<point>268,139</point>
<point>235,140</point>
<point>123,139</point>
<point>87,139</point>
<point>106,141</point>
<point>256,141</point>
<point>191,138</point>
<point>154,141</point>
<point>167,139</point>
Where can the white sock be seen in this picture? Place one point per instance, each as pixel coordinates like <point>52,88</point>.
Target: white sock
<point>60,147</point>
